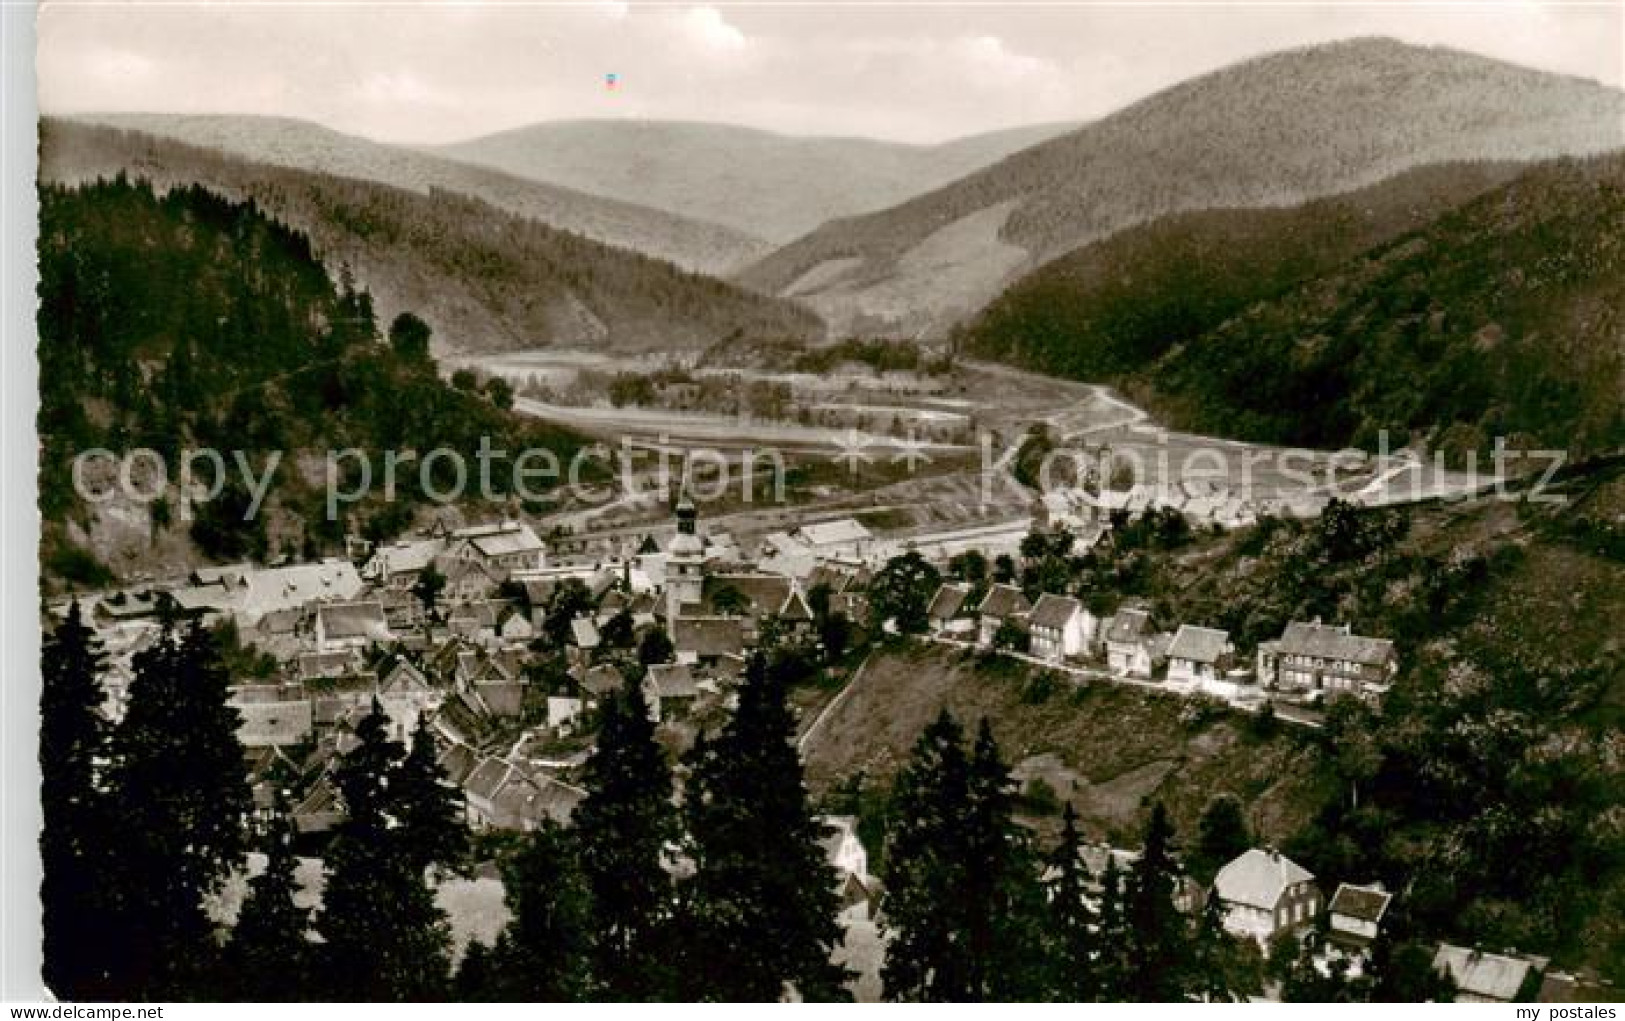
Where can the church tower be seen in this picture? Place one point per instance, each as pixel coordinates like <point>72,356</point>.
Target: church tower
<point>685,563</point>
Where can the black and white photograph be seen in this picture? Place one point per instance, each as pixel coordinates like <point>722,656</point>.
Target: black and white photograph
<point>1114,502</point>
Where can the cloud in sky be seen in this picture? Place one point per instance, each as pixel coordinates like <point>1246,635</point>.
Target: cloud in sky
<point>438,72</point>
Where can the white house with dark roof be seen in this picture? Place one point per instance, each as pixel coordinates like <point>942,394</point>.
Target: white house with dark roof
<point>405,694</point>
<point>1132,647</point>
<point>1315,658</point>
<point>1002,604</point>
<point>1060,627</point>
<point>946,605</point>
<point>1264,893</point>
<point>1196,654</point>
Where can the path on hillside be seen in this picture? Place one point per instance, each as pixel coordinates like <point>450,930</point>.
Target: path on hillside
<point>834,703</point>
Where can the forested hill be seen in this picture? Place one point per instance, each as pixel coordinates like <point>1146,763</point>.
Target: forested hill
<point>1501,318</point>
<point>1450,304</point>
<point>1110,309</point>
<point>485,279</point>
<point>184,319</point>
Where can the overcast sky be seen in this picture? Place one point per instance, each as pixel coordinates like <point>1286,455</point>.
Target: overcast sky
<point>415,72</point>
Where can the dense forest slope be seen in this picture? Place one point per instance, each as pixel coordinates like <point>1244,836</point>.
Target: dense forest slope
<point>1111,308</point>
<point>1501,318</point>
<point>670,234</point>
<point>760,183</point>
<point>182,319</point>
<point>1278,129</point>
<point>485,279</point>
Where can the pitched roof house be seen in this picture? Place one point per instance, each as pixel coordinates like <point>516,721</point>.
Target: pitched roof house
<point>1002,603</point>
<point>350,625</point>
<point>706,640</point>
<point>1196,653</point>
<point>1313,658</point>
<point>1489,978</point>
<point>1355,914</point>
<point>946,604</point>
<point>1059,627</point>
<point>1263,892</point>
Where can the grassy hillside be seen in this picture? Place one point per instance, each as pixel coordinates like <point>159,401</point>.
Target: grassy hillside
<point>671,234</point>
<point>484,279</point>
<point>1501,318</point>
<point>1109,309</point>
<point>1278,129</point>
<point>759,183</point>
<point>1109,749</point>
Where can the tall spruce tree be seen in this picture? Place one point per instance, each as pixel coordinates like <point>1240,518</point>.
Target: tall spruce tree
<point>761,906</point>
<point>428,810</point>
<point>545,954</point>
<point>625,825</point>
<point>385,937</point>
<point>269,957</point>
<point>1072,923</point>
<point>182,801</point>
<point>926,958</point>
<point>1116,958</point>
<point>1223,969</point>
<point>75,840</point>
<point>1001,897</point>
<point>1160,968</point>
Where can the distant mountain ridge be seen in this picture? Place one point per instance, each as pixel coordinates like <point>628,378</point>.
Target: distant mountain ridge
<point>484,278</point>
<point>1278,129</point>
<point>756,182</point>
<point>681,239</point>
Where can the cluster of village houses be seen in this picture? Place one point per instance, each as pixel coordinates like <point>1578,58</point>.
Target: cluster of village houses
<point>344,635</point>
<point>1310,661</point>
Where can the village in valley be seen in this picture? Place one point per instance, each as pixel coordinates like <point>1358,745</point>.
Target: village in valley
<point>503,646</point>
<point>1017,503</point>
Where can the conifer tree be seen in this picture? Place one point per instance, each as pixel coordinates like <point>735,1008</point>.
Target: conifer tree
<point>926,958</point>
<point>545,954</point>
<point>429,810</point>
<point>1160,964</point>
<point>385,937</point>
<point>477,976</point>
<point>1001,896</point>
<point>1072,945</point>
<point>1223,970</point>
<point>625,824</point>
<point>1113,964</point>
<point>761,905</point>
<point>182,797</point>
<point>75,839</point>
<point>269,958</point>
